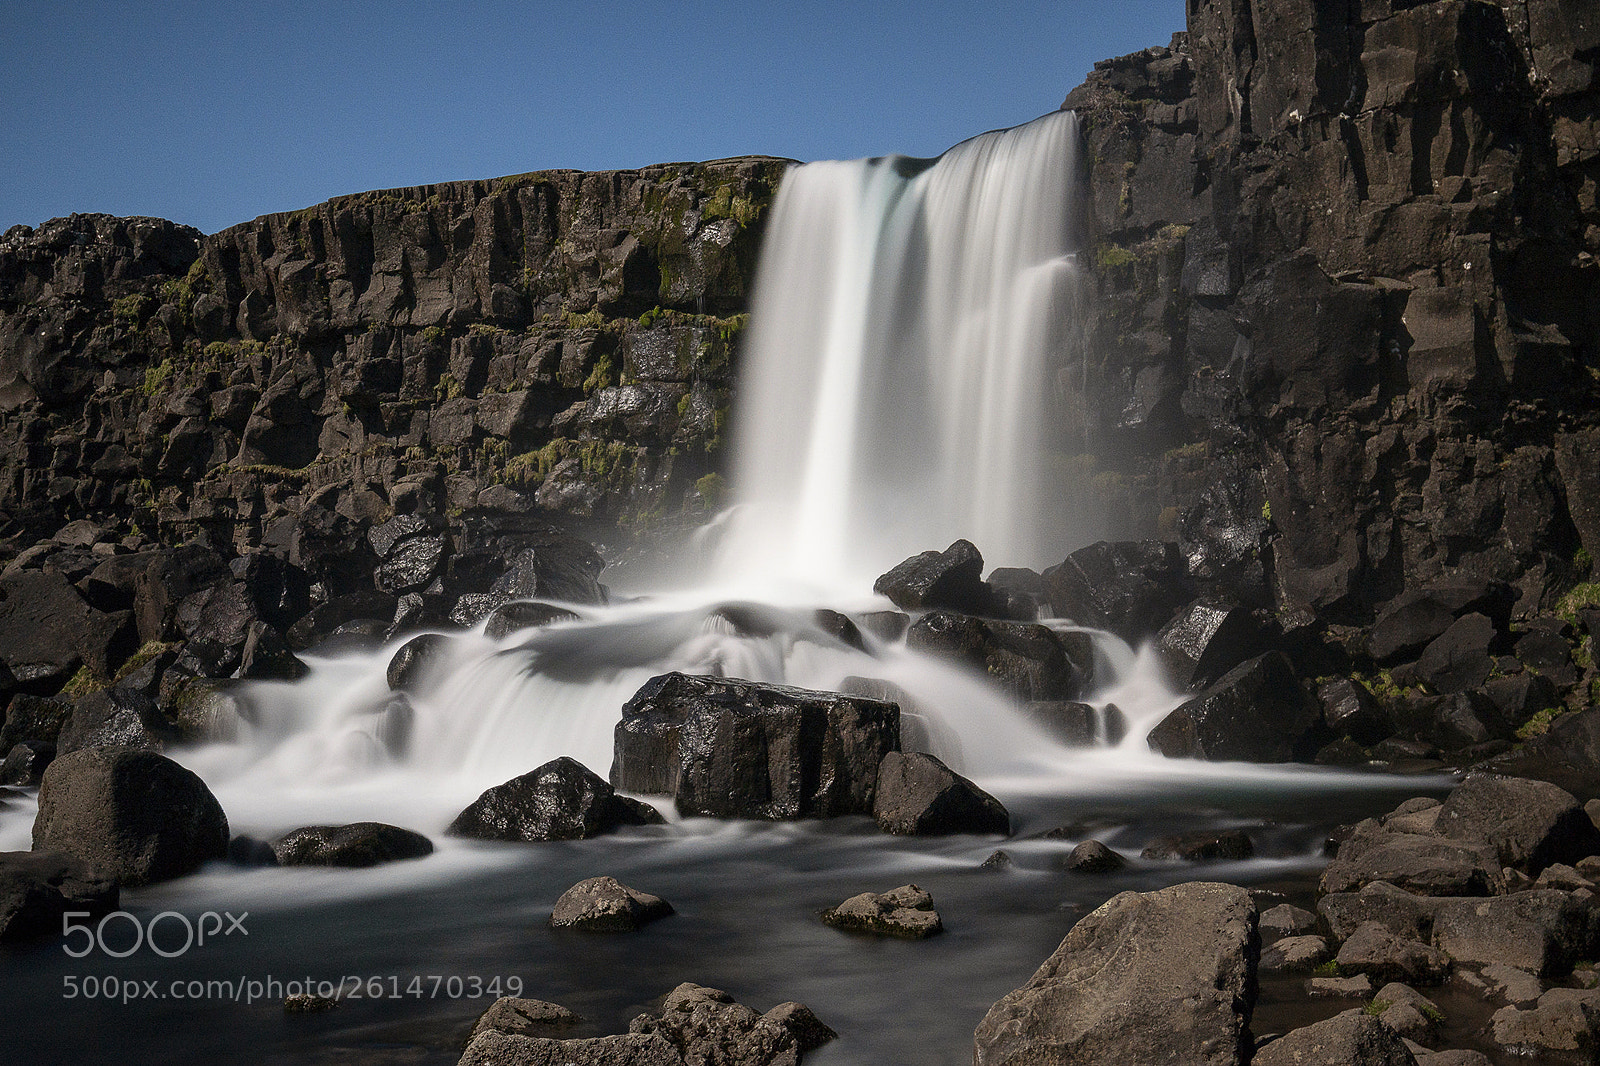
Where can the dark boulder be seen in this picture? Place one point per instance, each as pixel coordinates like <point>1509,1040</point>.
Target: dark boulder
<point>1459,658</point>
<point>510,617</point>
<point>1257,712</point>
<point>739,749</point>
<point>1093,857</point>
<point>137,816</point>
<point>24,765</point>
<point>1129,588</point>
<point>170,577</point>
<point>1567,755</point>
<point>1530,824</point>
<point>48,631</point>
<point>1354,1038</point>
<point>1201,846</point>
<point>495,1048</point>
<point>33,718</point>
<point>323,620</point>
<point>1418,862</point>
<point>919,796</point>
<point>561,800</point>
<point>706,1025</point>
<point>1542,931</point>
<point>1414,619</point>
<point>1078,725</point>
<point>37,888</point>
<point>905,912</point>
<point>1349,709</point>
<point>606,905</point>
<point>1207,639</point>
<point>357,845</point>
<point>1028,660</point>
<point>951,579</point>
<point>116,717</point>
<point>1385,956</point>
<point>1165,976</point>
<point>919,730</point>
<point>417,661</point>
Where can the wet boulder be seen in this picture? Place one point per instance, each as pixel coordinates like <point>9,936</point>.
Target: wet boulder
<point>906,912</point>
<point>1164,976</point>
<point>1350,710</point>
<point>512,617</point>
<point>951,579</point>
<point>33,718</point>
<point>354,846</point>
<point>740,749</point>
<point>1354,1038</point>
<point>134,815</point>
<point>1565,1021</point>
<point>1131,588</point>
<point>706,1025</point>
<point>37,888</point>
<point>1423,863</point>
<point>1207,639</point>
<point>920,796</point>
<point>1078,725</point>
<point>519,557</point>
<point>417,660</point>
<point>606,905</point>
<point>1093,857</point>
<point>169,577</point>
<point>1257,712</point>
<point>919,730</point>
<point>561,800</point>
<point>411,550</point>
<point>1530,824</point>
<point>116,717</point>
<point>24,765</point>
<point>1028,660</point>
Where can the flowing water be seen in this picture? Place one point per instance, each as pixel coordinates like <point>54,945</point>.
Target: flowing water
<point>909,321</point>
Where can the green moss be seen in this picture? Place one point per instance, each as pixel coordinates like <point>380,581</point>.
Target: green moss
<point>725,203</point>
<point>130,310</point>
<point>145,654</point>
<point>588,320</point>
<point>446,388</point>
<point>711,489</point>
<point>155,377</point>
<point>1576,599</point>
<point>1377,1007</point>
<point>1266,510</point>
<point>649,318</point>
<point>1539,724</point>
<point>1582,561</point>
<point>1111,258</point>
<point>1198,450</point>
<point>1327,969</point>
<point>600,377</point>
<point>83,683</point>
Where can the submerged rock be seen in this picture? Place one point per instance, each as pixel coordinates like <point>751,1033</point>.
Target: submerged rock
<point>739,749</point>
<point>606,905</point>
<point>134,815</point>
<point>1163,976</point>
<point>561,800</point>
<point>906,912</point>
<point>356,845</point>
<point>37,888</point>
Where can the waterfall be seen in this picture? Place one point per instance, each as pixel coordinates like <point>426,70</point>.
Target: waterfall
<point>909,318</point>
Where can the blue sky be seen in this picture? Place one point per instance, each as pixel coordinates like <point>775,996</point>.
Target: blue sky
<point>211,113</point>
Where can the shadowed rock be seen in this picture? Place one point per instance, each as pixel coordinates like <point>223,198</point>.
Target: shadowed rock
<point>561,800</point>
<point>919,796</point>
<point>359,844</point>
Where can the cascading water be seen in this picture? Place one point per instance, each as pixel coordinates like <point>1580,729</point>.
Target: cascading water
<point>910,319</point>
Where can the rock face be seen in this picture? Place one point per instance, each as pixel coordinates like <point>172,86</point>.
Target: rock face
<point>135,816</point>
<point>1318,259</point>
<point>557,337</point>
<point>1148,977</point>
<point>561,800</point>
<point>738,749</point>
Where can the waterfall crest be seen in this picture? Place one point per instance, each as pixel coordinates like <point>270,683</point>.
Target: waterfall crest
<point>909,318</point>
